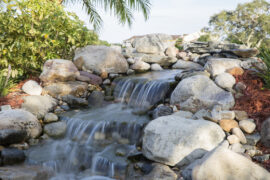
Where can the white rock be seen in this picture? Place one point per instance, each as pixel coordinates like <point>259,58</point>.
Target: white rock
<point>223,164</point>
<point>182,64</point>
<point>171,51</point>
<point>200,92</point>
<point>156,67</point>
<point>225,80</point>
<point>130,61</point>
<point>170,139</point>
<point>50,117</point>
<point>216,66</point>
<point>201,114</point>
<point>237,147</point>
<point>237,131</point>
<point>32,88</point>
<point>247,126</point>
<point>140,66</point>
<point>232,139</point>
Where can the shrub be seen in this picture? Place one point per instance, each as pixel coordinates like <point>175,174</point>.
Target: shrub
<point>204,38</point>
<point>179,44</point>
<point>37,30</point>
<point>265,73</point>
<point>5,82</point>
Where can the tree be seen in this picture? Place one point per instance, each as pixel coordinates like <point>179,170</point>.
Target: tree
<point>248,24</point>
<point>122,9</point>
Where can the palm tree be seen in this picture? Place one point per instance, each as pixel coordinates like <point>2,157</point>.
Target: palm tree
<point>122,9</point>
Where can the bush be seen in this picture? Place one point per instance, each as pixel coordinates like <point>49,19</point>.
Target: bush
<point>265,73</point>
<point>38,30</point>
<point>179,44</point>
<point>5,82</point>
<point>205,38</point>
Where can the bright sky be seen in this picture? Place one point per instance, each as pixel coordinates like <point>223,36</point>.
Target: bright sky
<point>167,16</point>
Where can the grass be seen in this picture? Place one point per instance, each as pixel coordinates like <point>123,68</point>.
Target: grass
<point>265,73</point>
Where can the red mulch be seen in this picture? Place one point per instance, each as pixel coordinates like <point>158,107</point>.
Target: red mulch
<point>14,98</point>
<point>256,100</point>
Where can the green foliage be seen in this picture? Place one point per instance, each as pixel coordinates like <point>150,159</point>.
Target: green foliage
<point>5,82</point>
<point>34,31</point>
<point>179,44</point>
<point>122,9</point>
<point>265,73</point>
<point>205,38</point>
<point>248,24</point>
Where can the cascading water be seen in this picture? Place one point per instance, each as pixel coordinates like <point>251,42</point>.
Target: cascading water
<point>98,141</point>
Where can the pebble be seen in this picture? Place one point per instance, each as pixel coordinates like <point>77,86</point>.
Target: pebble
<point>241,115</point>
<point>263,158</point>
<point>227,114</point>
<point>247,126</point>
<point>50,117</point>
<point>240,87</point>
<point>238,132</point>
<point>228,124</point>
<point>233,139</point>
<point>253,139</point>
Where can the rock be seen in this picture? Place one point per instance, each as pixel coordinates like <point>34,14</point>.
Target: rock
<point>200,92</point>
<point>94,79</point>
<point>228,124</point>
<point>75,88</point>
<point>233,139</point>
<point>184,114</point>
<point>225,80</point>
<point>181,139</point>
<point>172,51</point>
<point>263,158</point>
<point>39,105</point>
<point>265,133</point>
<point>10,156</point>
<point>21,146</point>
<point>201,114</point>
<point>253,139</point>
<point>237,131</point>
<point>237,71</point>
<point>162,111</point>
<point>58,70</point>
<point>12,136</point>
<point>5,107</point>
<point>156,67</point>
<point>32,88</point>
<point>183,55</point>
<point>83,79</point>
<point>223,164</point>
<point>130,72</point>
<point>153,43</point>
<point>153,58</point>
<point>25,173</point>
<point>247,126</point>
<point>101,59</point>
<point>253,62</point>
<point>131,60</point>
<point>182,64</point>
<point>216,66</point>
<point>140,66</point>
<point>50,117</point>
<point>57,129</point>
<point>186,74</point>
<point>240,87</point>
<point>18,119</point>
<point>160,172</point>
<point>106,82</point>
<point>96,99</point>
<point>237,147</point>
<point>246,53</point>
<point>241,115</point>
<point>75,101</point>
<point>217,113</point>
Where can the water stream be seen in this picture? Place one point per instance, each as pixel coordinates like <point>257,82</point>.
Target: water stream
<point>99,140</point>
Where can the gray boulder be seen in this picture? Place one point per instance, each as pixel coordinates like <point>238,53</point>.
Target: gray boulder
<point>32,88</point>
<point>200,92</point>
<point>162,111</point>
<point>188,65</point>
<point>156,67</point>
<point>172,139</point>
<point>96,99</point>
<point>75,101</point>
<point>57,129</point>
<point>216,66</point>
<point>39,105</point>
<point>12,136</point>
<point>265,133</point>
<point>50,117</point>
<point>19,119</point>
<point>223,164</point>
<point>11,156</point>
<point>225,80</point>
<point>100,59</point>
<point>245,53</point>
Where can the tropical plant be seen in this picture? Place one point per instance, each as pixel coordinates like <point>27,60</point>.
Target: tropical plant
<point>34,31</point>
<point>248,24</point>
<point>122,9</point>
<point>265,73</point>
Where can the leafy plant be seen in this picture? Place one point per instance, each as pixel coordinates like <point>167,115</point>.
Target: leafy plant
<point>179,44</point>
<point>265,73</point>
<point>37,30</point>
<point>5,81</point>
<point>204,38</point>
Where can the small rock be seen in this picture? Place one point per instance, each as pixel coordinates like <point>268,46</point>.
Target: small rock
<point>140,66</point>
<point>75,101</point>
<point>83,78</point>
<point>237,147</point>
<point>33,142</point>
<point>237,131</point>
<point>228,124</point>
<point>225,80</point>
<point>171,51</point>
<point>21,146</point>
<point>249,147</point>
<point>227,114</point>
<point>162,111</point>
<point>32,88</point>
<point>201,114</point>
<point>253,139</point>
<point>130,72</point>
<point>262,158</point>
<point>130,61</point>
<point>160,172</point>
<point>156,67</point>
<point>240,87</point>
<point>247,126</point>
<point>120,152</point>
<point>11,156</point>
<point>184,114</point>
<point>233,139</point>
<point>99,136</point>
<point>96,99</point>
<point>65,107</point>
<point>107,82</point>
<point>57,129</point>
<point>5,107</point>
<point>241,115</point>
<point>50,117</point>
<point>237,71</point>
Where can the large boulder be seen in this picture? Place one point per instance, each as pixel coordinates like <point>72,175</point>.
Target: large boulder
<point>75,88</point>
<point>246,53</point>
<point>200,92</point>
<point>100,59</point>
<point>224,164</point>
<point>217,66</point>
<point>39,105</point>
<point>172,139</point>
<point>188,65</point>
<point>19,119</point>
<point>55,70</point>
<point>12,136</point>
<point>153,43</point>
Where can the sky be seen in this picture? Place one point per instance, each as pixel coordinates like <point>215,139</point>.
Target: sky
<point>173,17</point>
